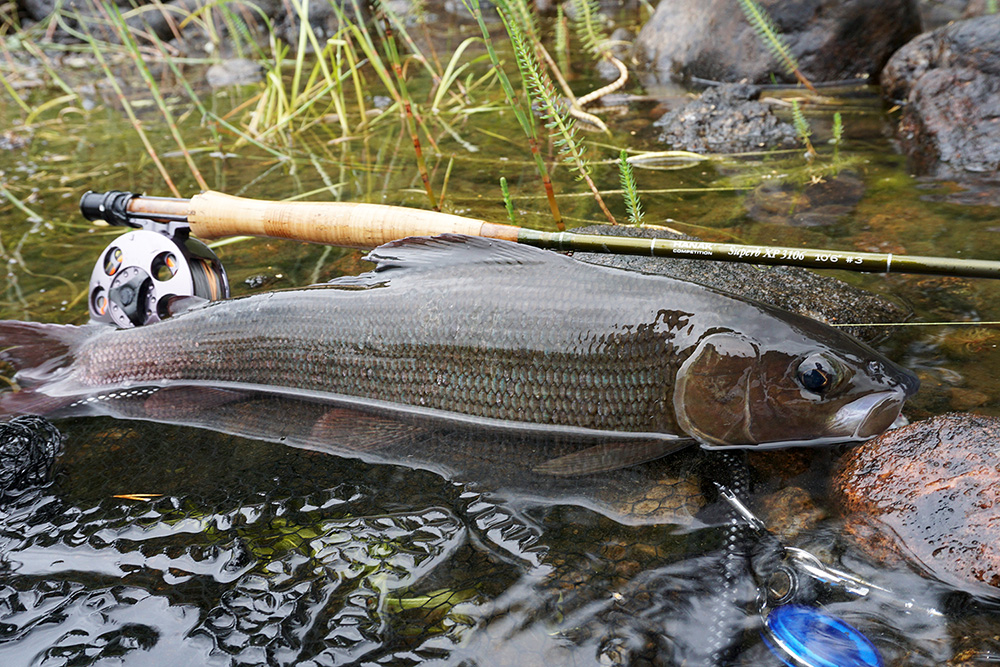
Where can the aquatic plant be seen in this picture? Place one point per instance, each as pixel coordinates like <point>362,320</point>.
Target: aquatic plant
<point>586,18</point>
<point>768,33</point>
<point>838,129</point>
<point>561,125</point>
<point>802,128</point>
<point>524,118</point>
<point>507,202</point>
<point>561,29</point>
<point>630,190</point>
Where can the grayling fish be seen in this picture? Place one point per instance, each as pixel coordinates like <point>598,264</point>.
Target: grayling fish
<point>499,336</point>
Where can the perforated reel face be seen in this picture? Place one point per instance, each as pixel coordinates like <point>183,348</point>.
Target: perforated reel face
<point>141,272</point>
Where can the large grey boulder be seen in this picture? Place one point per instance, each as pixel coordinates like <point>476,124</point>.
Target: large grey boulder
<point>832,39</point>
<point>948,82</point>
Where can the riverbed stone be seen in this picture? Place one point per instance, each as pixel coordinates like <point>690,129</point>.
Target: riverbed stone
<point>234,72</point>
<point>928,491</point>
<point>948,83</point>
<point>832,39</point>
<point>725,119</point>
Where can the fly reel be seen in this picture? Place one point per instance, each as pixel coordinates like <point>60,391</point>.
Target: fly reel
<point>141,274</point>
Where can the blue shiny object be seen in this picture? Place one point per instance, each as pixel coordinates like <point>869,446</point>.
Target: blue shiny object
<point>806,637</point>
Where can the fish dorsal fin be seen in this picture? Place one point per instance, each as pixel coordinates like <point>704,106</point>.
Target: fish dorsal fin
<point>436,252</point>
<point>181,304</point>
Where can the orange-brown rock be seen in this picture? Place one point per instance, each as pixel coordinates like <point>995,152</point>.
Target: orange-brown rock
<point>933,487</point>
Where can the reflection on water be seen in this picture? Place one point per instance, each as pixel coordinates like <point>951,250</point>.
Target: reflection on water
<point>251,552</point>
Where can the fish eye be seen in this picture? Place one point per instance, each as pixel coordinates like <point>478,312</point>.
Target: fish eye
<point>817,374</point>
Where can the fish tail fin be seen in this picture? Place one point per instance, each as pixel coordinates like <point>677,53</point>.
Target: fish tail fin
<point>39,353</point>
<point>30,345</point>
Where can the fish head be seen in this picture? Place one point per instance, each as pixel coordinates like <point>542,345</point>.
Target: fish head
<point>734,391</point>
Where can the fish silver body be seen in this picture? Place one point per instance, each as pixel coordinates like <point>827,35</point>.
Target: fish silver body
<point>499,335</point>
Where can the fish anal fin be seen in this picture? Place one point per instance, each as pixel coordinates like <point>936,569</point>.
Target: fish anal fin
<point>170,402</point>
<point>360,431</point>
<point>610,456</point>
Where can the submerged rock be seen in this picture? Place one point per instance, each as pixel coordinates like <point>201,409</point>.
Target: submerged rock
<point>726,119</point>
<point>832,39</point>
<point>948,81</point>
<point>819,202</point>
<point>792,288</point>
<point>929,491</point>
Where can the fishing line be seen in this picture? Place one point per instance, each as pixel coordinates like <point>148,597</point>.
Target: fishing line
<point>914,324</point>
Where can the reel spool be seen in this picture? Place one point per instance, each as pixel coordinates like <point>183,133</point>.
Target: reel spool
<point>141,273</point>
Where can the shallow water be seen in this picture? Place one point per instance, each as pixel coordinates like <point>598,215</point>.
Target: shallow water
<point>252,552</point>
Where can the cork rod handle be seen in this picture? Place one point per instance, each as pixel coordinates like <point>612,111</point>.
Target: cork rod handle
<point>215,215</point>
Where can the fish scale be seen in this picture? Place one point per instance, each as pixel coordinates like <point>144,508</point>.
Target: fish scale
<point>605,380</point>
<point>504,336</point>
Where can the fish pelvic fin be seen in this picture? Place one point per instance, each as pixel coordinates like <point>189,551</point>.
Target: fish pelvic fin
<point>611,456</point>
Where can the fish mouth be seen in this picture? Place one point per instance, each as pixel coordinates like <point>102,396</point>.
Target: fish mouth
<point>873,414</point>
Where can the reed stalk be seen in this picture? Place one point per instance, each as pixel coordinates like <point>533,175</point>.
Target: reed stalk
<point>125,35</point>
<point>408,115</point>
<point>127,107</point>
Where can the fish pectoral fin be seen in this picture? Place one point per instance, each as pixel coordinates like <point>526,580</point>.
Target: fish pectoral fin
<point>610,456</point>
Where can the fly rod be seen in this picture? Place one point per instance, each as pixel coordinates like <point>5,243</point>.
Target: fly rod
<point>213,215</point>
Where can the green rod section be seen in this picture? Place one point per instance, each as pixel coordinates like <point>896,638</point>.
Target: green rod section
<point>758,254</point>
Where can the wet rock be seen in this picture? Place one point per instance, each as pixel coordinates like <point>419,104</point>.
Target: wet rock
<point>792,288</point>
<point>11,140</point>
<point>725,119</point>
<point>157,18</point>
<point>832,39</point>
<point>936,13</point>
<point>929,491</point>
<point>233,72</point>
<point>948,81</point>
<point>28,448</point>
